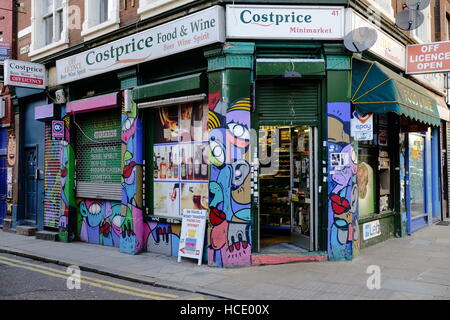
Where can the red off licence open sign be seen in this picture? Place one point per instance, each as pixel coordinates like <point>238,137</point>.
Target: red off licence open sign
<point>428,58</point>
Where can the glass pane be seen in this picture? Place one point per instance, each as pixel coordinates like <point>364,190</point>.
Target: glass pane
<point>180,157</point>
<point>366,181</point>
<point>416,173</point>
<point>47,7</point>
<point>402,173</point>
<point>59,25</point>
<point>103,10</point>
<point>48,25</point>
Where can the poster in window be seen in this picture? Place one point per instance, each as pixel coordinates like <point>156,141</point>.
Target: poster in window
<point>194,122</point>
<point>166,162</point>
<point>194,196</point>
<point>167,199</point>
<point>166,125</point>
<point>366,186</point>
<point>200,162</point>
<point>186,162</point>
<point>185,122</point>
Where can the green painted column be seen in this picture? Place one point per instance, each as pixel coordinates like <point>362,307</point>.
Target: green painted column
<point>132,229</point>
<point>230,69</point>
<point>343,235</point>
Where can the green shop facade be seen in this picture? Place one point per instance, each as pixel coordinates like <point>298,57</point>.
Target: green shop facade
<point>253,130</point>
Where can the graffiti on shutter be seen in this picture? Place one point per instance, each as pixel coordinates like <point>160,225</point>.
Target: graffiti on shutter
<point>52,182</point>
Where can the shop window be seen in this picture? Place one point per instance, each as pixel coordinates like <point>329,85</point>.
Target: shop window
<point>180,175</point>
<point>99,155</point>
<point>374,171</point>
<point>101,16</point>
<point>417,173</point>
<point>49,25</point>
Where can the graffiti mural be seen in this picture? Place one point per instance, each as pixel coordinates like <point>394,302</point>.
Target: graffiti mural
<point>101,222</point>
<point>162,238</point>
<point>68,202</point>
<point>230,207</point>
<point>132,228</point>
<point>342,187</point>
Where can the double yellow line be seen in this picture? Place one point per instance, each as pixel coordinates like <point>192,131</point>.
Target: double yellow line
<point>94,282</point>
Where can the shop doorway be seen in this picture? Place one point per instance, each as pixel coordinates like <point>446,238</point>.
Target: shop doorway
<point>3,184</point>
<point>31,182</point>
<point>287,202</point>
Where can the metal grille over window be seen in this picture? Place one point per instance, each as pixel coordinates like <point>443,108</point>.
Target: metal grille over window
<point>98,152</point>
<point>52,187</point>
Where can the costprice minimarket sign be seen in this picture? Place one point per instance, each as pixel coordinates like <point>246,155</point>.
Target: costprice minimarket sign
<point>285,22</point>
<point>196,30</point>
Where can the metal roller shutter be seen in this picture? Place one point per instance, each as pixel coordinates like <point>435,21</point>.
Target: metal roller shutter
<point>287,103</point>
<point>99,156</point>
<point>52,182</point>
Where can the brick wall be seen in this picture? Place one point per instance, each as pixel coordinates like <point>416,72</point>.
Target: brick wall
<point>128,16</point>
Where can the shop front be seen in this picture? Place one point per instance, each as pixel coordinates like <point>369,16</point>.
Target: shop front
<point>395,168</point>
<point>3,172</point>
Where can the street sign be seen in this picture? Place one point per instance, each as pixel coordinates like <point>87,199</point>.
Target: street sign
<point>428,58</point>
<point>25,74</point>
<point>58,130</point>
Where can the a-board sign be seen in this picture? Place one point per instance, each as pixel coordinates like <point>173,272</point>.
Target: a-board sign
<point>192,236</point>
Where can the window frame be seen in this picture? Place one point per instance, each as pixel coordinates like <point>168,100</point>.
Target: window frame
<point>92,28</point>
<point>151,8</point>
<point>39,45</point>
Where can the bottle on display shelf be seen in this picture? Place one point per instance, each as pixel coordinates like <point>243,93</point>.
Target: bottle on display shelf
<point>163,169</point>
<point>170,167</point>
<point>197,161</point>
<point>155,167</point>
<point>190,169</point>
<point>175,165</point>
<point>183,166</point>
<point>204,166</point>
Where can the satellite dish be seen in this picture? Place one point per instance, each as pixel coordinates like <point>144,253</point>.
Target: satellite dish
<point>417,4</point>
<point>409,19</point>
<point>360,39</point>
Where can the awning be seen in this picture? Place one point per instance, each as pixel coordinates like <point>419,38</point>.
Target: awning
<point>442,106</point>
<point>377,89</point>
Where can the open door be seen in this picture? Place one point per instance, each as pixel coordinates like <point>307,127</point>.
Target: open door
<point>287,183</point>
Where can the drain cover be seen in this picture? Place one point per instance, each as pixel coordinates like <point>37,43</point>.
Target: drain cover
<point>443,223</point>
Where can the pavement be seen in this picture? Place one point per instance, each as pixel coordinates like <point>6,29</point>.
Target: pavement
<point>411,268</point>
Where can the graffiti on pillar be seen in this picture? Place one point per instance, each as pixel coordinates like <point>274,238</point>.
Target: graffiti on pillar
<point>68,203</point>
<point>132,233</point>
<point>101,222</point>
<point>230,207</point>
<point>342,187</point>
<point>11,149</point>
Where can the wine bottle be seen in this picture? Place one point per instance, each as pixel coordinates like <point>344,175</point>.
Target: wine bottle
<point>197,161</point>
<point>183,165</point>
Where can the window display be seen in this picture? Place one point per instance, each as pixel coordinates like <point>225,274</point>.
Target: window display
<point>180,159</point>
<point>416,173</point>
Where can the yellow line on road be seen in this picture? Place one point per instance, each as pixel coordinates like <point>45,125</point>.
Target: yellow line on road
<point>93,284</point>
<point>92,279</point>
